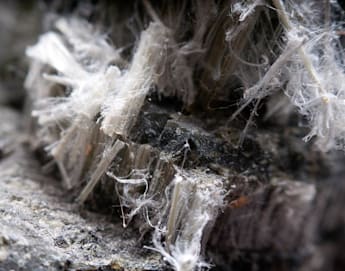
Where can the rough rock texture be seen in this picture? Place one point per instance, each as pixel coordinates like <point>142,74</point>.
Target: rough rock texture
<point>42,229</point>
<point>283,226</point>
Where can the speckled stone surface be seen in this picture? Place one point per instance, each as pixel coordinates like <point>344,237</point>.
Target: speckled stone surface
<point>42,229</point>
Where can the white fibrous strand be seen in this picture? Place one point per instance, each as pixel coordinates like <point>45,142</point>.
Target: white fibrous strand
<point>177,66</point>
<point>108,155</point>
<point>245,8</point>
<point>88,89</point>
<point>87,79</point>
<point>91,47</point>
<point>309,70</point>
<point>194,204</point>
<point>126,99</point>
<point>315,79</point>
<point>131,197</point>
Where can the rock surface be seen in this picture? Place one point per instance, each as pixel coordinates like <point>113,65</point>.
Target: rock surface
<point>41,229</point>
